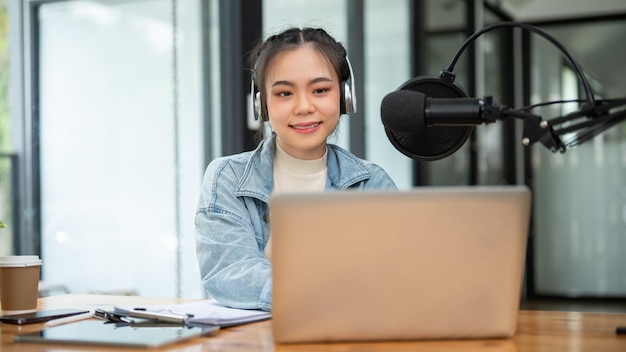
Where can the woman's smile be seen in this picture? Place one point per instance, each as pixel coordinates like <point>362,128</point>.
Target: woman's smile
<point>306,127</point>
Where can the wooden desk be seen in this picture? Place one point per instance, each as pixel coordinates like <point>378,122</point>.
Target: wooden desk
<point>537,331</point>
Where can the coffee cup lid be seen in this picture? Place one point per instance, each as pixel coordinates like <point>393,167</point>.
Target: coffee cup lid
<point>19,260</point>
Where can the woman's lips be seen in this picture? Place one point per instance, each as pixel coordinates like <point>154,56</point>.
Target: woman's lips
<point>306,127</point>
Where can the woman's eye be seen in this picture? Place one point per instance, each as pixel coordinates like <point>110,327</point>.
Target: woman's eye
<point>320,90</point>
<point>283,94</point>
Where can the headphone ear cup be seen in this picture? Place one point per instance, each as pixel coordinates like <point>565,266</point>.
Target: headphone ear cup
<point>348,103</point>
<point>257,106</point>
<point>255,96</point>
<point>342,99</point>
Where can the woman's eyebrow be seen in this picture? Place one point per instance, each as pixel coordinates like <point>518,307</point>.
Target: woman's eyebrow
<point>313,81</point>
<point>320,79</point>
<point>282,83</point>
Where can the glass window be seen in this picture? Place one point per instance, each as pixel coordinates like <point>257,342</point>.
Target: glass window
<point>387,66</point>
<point>446,33</point>
<point>118,160</point>
<point>580,196</point>
<point>8,183</point>
<point>6,158</point>
<point>445,24</point>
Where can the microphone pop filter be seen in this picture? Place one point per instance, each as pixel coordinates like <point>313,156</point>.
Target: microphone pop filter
<point>431,143</point>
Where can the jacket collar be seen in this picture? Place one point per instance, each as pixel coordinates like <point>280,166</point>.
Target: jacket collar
<point>344,170</point>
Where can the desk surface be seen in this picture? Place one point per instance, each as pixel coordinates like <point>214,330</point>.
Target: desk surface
<point>537,331</point>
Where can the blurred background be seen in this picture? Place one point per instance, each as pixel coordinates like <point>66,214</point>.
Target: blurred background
<point>111,109</point>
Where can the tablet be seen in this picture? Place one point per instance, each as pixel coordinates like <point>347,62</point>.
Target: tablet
<point>95,332</point>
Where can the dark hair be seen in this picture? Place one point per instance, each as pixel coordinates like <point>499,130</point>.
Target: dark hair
<point>292,39</point>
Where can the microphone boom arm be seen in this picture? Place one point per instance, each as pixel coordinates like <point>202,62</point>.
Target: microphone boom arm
<point>596,119</point>
<point>577,68</point>
<point>597,113</point>
<point>536,129</point>
<point>430,117</point>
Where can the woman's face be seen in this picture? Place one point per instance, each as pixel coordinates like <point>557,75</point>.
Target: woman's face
<point>302,101</point>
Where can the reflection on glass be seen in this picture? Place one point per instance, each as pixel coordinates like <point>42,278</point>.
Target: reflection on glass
<point>108,184</point>
<point>580,205</point>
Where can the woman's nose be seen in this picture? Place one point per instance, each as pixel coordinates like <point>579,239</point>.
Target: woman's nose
<point>304,105</point>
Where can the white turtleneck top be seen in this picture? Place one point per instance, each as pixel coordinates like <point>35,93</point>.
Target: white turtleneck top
<point>297,175</point>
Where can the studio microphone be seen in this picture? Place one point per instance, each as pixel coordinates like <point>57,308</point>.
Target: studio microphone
<point>429,117</point>
<point>410,111</point>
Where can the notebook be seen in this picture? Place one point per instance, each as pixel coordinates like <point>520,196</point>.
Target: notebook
<point>430,263</point>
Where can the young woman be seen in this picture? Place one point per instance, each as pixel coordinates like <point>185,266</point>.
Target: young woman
<point>299,75</point>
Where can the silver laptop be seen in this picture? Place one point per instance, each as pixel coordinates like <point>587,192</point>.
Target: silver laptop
<point>431,263</point>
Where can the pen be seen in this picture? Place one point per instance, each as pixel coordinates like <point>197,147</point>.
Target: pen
<point>163,315</point>
<point>188,315</point>
<point>157,316</point>
<point>111,317</point>
<point>69,319</point>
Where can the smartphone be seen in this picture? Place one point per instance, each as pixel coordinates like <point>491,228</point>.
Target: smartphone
<point>39,317</point>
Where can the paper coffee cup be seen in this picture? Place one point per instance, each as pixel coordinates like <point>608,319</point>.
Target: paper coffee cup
<point>19,283</point>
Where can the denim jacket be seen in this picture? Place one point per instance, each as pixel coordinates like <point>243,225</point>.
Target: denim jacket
<point>232,219</point>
